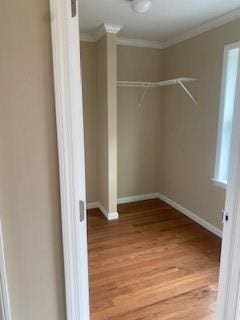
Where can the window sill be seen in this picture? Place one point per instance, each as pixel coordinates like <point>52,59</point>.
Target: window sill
<point>220,184</point>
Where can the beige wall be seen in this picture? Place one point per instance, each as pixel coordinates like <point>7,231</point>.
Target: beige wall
<point>190,132</point>
<point>89,73</point>
<point>169,144</point>
<point>138,128</point>
<point>99,68</point>
<point>137,159</point>
<point>29,187</point>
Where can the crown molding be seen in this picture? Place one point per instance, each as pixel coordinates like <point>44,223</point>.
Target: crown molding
<point>106,28</point>
<point>109,28</point>
<point>139,43</point>
<point>101,31</point>
<point>87,37</point>
<point>229,17</point>
<point>123,41</point>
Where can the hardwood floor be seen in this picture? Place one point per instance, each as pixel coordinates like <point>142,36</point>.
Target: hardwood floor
<point>154,263</point>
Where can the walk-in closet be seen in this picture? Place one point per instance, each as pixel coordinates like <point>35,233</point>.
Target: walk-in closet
<point>159,91</point>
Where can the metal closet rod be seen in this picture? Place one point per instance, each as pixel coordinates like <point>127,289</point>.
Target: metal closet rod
<point>147,85</point>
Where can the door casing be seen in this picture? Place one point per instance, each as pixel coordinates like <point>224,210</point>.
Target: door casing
<point>70,136</point>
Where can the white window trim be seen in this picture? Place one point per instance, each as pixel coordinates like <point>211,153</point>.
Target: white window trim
<point>219,183</point>
<point>228,47</point>
<point>228,306</point>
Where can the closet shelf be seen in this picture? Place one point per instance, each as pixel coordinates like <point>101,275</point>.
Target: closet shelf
<point>147,85</point>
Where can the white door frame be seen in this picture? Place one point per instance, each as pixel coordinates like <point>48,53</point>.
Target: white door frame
<point>70,134</point>
<point>228,305</point>
<point>5,311</point>
<point>69,118</point>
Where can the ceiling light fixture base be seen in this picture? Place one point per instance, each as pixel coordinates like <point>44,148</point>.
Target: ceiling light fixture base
<point>141,6</point>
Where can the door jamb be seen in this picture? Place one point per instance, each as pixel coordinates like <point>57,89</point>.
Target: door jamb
<point>229,280</point>
<point>70,136</point>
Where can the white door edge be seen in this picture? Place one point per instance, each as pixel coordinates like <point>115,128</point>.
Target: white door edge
<point>69,119</point>
<point>229,280</point>
<point>5,311</point>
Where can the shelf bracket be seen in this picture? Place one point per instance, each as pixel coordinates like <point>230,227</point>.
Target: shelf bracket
<point>187,91</point>
<point>143,96</point>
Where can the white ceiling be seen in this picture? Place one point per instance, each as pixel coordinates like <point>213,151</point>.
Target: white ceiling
<point>166,20</point>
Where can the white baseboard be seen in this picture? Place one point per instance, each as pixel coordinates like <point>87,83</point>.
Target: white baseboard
<point>192,216</point>
<point>142,197</point>
<point>148,196</point>
<point>113,216</point>
<point>108,215</point>
<point>92,205</point>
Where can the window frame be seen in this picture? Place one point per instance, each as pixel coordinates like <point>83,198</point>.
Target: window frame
<point>227,48</point>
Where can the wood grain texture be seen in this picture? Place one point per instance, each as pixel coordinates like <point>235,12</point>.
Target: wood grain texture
<point>153,263</point>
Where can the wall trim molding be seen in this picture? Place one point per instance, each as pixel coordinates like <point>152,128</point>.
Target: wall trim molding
<point>109,215</point>
<point>191,215</point>
<point>212,24</point>
<point>112,28</point>
<point>139,43</point>
<point>101,31</point>
<point>149,196</point>
<point>92,205</point>
<point>105,28</point>
<point>5,310</point>
<point>87,37</point>
<point>142,197</point>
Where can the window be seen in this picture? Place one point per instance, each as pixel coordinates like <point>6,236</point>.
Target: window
<point>228,93</point>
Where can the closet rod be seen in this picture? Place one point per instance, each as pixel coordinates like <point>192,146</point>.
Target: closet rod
<point>154,84</point>
<point>177,81</point>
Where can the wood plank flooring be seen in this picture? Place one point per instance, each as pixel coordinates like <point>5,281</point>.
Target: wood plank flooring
<point>151,264</point>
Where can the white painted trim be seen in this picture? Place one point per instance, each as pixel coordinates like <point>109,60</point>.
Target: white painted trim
<point>113,216</point>
<point>227,48</point>
<point>108,215</point>
<point>224,19</point>
<point>157,195</point>
<point>219,184</point>
<point>139,43</point>
<point>106,28</point>
<point>121,40</point>
<point>101,31</point>
<point>92,205</point>
<point>69,120</point>
<point>175,205</point>
<point>142,197</point>
<point>192,216</point>
<point>229,281</point>
<point>5,310</point>
<point>148,196</point>
<point>111,28</point>
<point>86,37</point>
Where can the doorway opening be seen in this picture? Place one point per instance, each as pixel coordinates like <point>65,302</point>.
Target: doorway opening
<point>154,190</point>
